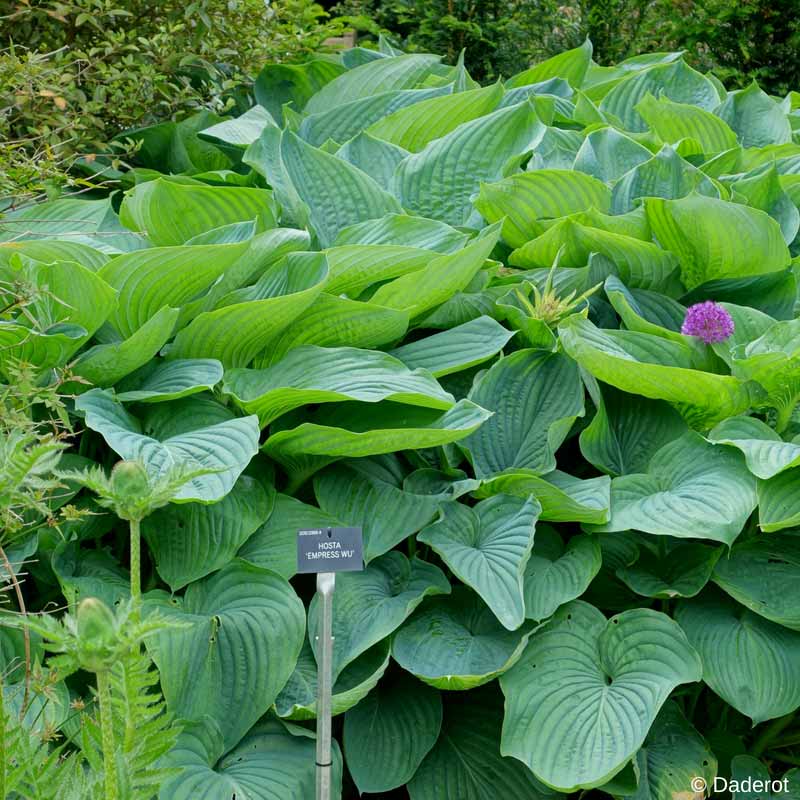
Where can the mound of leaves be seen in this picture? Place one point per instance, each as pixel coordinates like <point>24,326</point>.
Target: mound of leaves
<point>538,339</point>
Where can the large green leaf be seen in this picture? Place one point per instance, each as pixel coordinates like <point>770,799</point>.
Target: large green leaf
<point>765,453</point>
<point>762,574</point>
<point>751,663</point>
<point>352,491</point>
<point>243,633</point>
<point>648,365</point>
<point>779,501</point>
<point>535,397</point>
<point>372,604</point>
<point>439,181</point>
<point>487,547</point>
<point>414,126</point>
<point>757,119</point>
<point>457,349</point>
<point>336,193</point>
<point>717,239</point>
<point>690,490</point>
<point>158,382</point>
<point>313,374</point>
<point>627,431</point>
<point>390,732</point>
<point>608,154</point>
<point>466,763</point>
<point>344,430</point>
<point>272,762</point>
<point>457,642</point>
<point>224,448</point>
<point>571,65</point>
<point>171,212</point>
<point>239,330</point>
<point>407,231</point>
<point>278,84</point>
<point>557,573</point>
<point>746,770</point>
<point>580,701</point>
<point>189,541</point>
<point>298,698</point>
<point>673,757</point>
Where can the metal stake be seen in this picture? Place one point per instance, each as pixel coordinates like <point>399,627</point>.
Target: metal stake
<point>326,582</point>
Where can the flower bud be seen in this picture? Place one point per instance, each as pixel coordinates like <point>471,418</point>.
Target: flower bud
<point>96,634</point>
<point>129,480</point>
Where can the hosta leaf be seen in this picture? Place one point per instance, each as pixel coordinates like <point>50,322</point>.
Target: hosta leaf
<point>690,490</point>
<point>571,65</point>
<point>487,547</point>
<point>445,275</point>
<point>336,193</point>
<point>390,732</point>
<point>49,250</point>
<point>171,213</point>
<point>278,84</point>
<point>350,492</point>
<point>545,193</point>
<point>580,701</point>
<point>332,321</point>
<point>402,72</point>
<point>673,755</point>
<point>189,541</point>
<point>244,635</point>
<point>765,453</point>
<point>764,191</point>
<point>670,571</point>
<point>313,374</point>
<point>272,762</point>
<point>298,699</point>
<point>717,239</point>
<point>406,231</point>
<point>105,364</point>
<point>751,663</point>
<point>273,545</point>
<point>240,132</point>
<point>672,122</point>
<point>225,447</point>
<point>83,574</point>
<point>563,497</point>
<point>535,397</point>
<point>346,120</point>
<point>342,431</point>
<point>757,119</point>
<point>439,181</point>
<point>415,126</point>
<point>762,574</point>
<point>627,431</point>
<point>676,81</point>
<point>557,573</point>
<point>170,380</point>
<point>643,364</point>
<point>468,750</point>
<point>148,280</point>
<point>665,175</point>
<point>744,767</point>
<point>237,332</point>
<point>372,604</point>
<point>376,158</point>
<point>457,349</point>
<point>457,642</point>
<point>607,154</point>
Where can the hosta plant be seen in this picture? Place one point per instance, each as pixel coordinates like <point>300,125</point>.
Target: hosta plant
<point>537,339</point>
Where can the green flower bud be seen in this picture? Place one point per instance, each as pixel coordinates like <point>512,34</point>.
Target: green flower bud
<point>96,635</point>
<point>129,480</point>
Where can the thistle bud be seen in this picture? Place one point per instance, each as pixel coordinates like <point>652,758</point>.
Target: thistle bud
<point>129,480</point>
<point>96,634</point>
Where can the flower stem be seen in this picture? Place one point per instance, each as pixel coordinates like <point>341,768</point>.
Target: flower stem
<point>770,733</point>
<point>136,567</point>
<point>107,733</point>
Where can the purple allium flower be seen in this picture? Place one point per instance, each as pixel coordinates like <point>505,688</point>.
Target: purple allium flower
<point>708,321</point>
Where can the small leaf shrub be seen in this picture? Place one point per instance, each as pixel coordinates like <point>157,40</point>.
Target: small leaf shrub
<point>537,338</point>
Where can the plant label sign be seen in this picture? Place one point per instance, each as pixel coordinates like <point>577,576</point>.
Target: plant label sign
<point>330,550</point>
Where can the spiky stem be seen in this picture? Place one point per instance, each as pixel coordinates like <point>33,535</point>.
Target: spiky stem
<point>107,734</point>
<point>136,567</point>
<point>26,634</point>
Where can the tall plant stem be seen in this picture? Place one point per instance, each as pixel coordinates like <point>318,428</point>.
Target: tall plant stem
<point>136,567</point>
<point>107,734</point>
<point>770,733</point>
<point>26,634</point>
<point>3,746</point>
